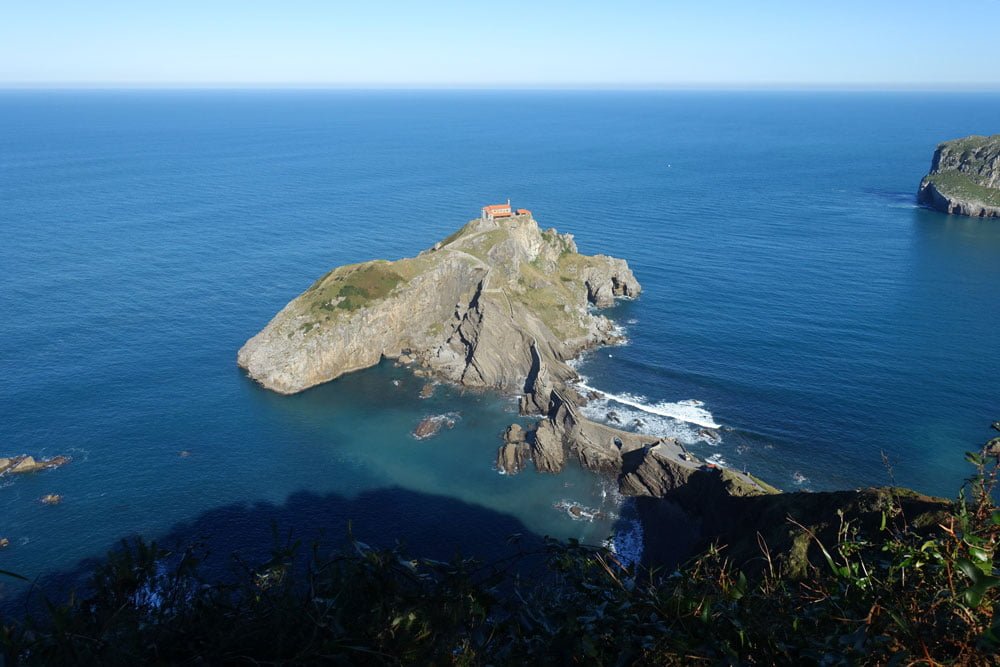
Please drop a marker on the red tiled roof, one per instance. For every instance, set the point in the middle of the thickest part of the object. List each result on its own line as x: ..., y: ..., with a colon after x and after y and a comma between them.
x: 497, y: 207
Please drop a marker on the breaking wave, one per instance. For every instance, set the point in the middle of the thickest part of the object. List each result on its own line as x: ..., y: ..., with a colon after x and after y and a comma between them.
x: 690, y: 411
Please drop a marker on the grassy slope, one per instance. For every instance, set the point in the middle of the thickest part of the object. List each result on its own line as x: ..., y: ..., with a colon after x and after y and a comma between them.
x: 959, y: 186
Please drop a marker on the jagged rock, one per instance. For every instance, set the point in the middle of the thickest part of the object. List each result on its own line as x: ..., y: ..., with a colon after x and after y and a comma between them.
x: 51, y: 499
x: 964, y: 178
x: 608, y: 280
x: 26, y: 464
x: 512, y: 457
x: 613, y: 417
x: 537, y: 387
x: 498, y: 298
x: 427, y: 390
x: 654, y: 471
x: 429, y: 426
x: 514, y: 434
x: 547, y: 449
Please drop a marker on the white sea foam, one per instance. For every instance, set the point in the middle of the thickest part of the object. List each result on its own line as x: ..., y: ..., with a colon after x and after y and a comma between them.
x: 580, y: 512
x: 447, y: 420
x: 716, y: 459
x: 630, y: 419
x: 690, y: 411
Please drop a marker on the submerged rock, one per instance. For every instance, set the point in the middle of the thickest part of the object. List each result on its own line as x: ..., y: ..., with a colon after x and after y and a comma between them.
x: 4, y: 542
x: 51, y: 499
x: 430, y: 426
x: 964, y: 178
x: 427, y: 427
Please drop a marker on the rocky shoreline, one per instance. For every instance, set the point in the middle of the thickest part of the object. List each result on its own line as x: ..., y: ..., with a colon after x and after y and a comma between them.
x: 505, y: 306
x: 964, y: 178
x: 502, y: 305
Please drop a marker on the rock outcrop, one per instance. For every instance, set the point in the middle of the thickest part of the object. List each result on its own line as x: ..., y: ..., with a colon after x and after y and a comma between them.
x: 22, y: 464
x: 429, y: 426
x: 500, y: 304
x: 514, y: 453
x: 495, y: 305
x: 964, y: 178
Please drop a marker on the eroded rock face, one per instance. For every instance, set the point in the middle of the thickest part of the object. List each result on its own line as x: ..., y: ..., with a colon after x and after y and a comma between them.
x: 964, y: 178
x: 512, y: 457
x: 653, y: 471
x: 488, y: 307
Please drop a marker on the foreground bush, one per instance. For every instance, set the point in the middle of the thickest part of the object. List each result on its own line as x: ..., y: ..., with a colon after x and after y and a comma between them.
x: 893, y: 595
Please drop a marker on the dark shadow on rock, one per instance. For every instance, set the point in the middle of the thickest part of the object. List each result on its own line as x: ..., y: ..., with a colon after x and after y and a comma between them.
x: 428, y: 526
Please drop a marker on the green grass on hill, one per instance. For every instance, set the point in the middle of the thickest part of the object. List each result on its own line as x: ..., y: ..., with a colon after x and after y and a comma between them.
x: 352, y: 287
x: 959, y: 186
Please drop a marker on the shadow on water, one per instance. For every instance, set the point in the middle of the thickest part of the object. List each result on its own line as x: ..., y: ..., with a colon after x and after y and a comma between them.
x: 424, y: 525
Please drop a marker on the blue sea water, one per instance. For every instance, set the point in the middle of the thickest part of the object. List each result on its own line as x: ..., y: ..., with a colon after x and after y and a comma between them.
x: 791, y: 285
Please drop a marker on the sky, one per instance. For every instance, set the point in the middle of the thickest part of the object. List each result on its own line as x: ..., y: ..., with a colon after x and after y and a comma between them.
x: 451, y: 43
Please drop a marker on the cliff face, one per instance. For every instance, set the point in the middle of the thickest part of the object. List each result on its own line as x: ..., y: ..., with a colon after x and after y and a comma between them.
x: 964, y: 177
x: 485, y: 307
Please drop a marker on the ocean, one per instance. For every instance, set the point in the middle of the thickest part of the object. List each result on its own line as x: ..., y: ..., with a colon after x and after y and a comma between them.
x: 794, y: 297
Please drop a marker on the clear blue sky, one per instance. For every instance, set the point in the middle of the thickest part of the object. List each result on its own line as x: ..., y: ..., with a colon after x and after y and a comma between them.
x: 629, y: 43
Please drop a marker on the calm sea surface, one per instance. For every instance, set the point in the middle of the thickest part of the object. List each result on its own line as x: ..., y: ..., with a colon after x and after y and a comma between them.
x: 791, y: 286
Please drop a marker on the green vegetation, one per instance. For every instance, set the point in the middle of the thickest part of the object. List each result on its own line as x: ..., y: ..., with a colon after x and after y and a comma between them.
x: 351, y: 287
x: 958, y: 185
x: 893, y: 594
x: 972, y: 142
x: 547, y: 299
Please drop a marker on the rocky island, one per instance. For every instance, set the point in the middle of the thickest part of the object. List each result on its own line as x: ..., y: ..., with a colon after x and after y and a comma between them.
x: 964, y: 177
x: 500, y: 304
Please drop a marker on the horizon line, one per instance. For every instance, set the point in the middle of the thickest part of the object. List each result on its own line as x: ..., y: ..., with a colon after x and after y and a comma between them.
x: 541, y: 87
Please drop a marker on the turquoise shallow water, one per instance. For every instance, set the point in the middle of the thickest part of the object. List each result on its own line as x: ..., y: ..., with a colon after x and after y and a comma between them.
x: 790, y: 285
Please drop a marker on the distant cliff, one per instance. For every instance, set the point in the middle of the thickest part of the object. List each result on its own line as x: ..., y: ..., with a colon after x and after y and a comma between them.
x: 964, y: 177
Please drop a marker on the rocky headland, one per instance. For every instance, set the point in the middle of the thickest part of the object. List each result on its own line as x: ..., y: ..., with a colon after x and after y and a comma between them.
x: 503, y: 305
x: 500, y: 304
x: 964, y: 177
